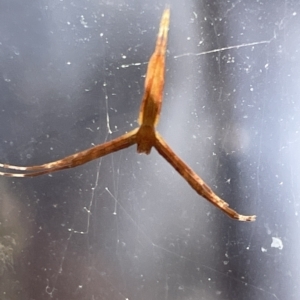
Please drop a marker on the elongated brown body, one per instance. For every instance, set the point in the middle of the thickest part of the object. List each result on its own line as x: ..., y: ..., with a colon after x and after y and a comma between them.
x: 154, y: 86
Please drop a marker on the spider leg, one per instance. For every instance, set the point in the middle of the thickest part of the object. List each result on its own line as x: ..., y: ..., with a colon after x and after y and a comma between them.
x: 195, y: 181
x: 74, y: 160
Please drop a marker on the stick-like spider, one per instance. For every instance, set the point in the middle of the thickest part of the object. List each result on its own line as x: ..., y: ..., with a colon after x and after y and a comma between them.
x: 145, y: 136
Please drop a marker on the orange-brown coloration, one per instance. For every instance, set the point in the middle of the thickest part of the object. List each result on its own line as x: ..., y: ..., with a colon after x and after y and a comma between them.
x: 154, y: 86
x: 144, y: 136
x: 155, y: 77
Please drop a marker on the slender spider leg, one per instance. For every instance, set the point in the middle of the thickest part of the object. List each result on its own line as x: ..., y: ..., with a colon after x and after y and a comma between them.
x: 144, y: 136
x: 77, y: 159
x: 194, y: 180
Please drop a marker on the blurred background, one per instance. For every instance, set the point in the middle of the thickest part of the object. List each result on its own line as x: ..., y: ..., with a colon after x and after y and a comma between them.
x: 127, y: 226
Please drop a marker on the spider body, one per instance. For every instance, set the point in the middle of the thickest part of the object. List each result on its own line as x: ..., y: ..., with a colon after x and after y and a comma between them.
x: 145, y: 136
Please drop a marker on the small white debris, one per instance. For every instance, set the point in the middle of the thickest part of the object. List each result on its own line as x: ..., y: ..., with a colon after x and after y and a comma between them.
x: 277, y: 243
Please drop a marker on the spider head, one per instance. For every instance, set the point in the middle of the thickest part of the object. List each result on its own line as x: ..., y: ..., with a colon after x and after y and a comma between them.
x: 145, y: 139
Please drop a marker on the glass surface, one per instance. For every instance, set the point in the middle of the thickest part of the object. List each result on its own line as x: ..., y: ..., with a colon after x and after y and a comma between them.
x: 127, y: 226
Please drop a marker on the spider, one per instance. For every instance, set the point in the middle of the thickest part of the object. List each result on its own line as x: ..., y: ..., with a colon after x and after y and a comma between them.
x: 145, y: 136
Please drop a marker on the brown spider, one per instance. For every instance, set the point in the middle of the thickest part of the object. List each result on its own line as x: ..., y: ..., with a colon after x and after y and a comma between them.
x: 145, y: 136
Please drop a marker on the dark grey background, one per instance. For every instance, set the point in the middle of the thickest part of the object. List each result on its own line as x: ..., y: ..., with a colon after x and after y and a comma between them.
x: 127, y: 226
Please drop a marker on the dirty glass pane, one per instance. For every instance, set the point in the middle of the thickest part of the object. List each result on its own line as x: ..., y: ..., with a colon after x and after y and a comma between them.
x: 127, y: 226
